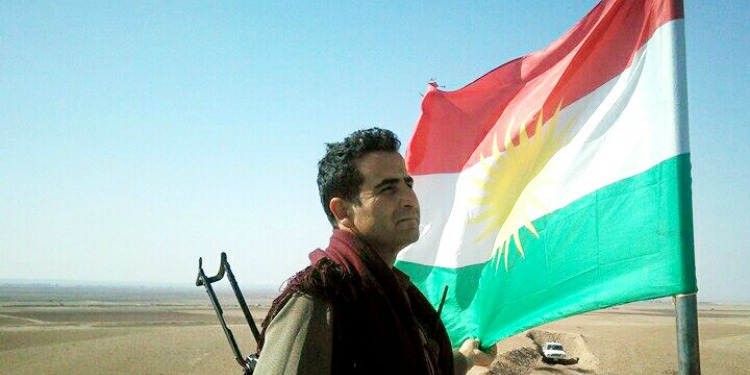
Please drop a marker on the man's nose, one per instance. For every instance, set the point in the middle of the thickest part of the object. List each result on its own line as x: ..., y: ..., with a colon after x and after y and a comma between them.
x: 409, y: 197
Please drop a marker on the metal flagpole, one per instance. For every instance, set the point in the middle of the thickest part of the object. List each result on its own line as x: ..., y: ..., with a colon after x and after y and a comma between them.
x: 688, y: 353
x: 686, y: 306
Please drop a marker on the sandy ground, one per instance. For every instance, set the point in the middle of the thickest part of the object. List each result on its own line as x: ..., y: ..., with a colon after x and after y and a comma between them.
x: 638, y: 338
x: 127, y: 338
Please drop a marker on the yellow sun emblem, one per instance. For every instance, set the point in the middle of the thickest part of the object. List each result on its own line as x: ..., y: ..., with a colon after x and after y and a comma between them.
x: 507, y: 175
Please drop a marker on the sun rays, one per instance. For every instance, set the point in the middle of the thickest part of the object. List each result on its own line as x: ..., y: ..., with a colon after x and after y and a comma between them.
x: 505, y: 197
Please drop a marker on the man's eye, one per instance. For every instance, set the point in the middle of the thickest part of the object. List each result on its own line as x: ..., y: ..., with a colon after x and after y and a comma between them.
x: 390, y: 189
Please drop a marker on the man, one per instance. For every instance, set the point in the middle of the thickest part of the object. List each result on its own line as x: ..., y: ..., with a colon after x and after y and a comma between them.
x: 351, y: 311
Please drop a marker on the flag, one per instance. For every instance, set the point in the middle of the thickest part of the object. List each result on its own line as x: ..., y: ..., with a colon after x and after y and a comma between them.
x: 559, y: 182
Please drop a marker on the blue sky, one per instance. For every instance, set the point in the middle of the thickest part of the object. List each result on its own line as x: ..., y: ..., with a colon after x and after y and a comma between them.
x: 137, y: 136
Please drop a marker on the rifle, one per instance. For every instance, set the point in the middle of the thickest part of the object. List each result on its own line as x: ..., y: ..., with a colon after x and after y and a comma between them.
x: 247, y: 363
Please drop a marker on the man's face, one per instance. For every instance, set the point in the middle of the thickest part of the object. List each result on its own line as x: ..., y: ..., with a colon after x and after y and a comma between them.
x: 387, y: 216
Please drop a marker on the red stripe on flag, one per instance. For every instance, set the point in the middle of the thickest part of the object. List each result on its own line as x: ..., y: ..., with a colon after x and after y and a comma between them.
x: 455, y: 124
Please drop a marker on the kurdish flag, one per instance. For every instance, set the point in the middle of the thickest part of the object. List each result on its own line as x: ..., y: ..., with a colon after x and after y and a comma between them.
x: 559, y: 182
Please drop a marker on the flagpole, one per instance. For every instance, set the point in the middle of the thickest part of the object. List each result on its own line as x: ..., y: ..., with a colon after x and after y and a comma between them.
x: 686, y: 306
x: 688, y: 352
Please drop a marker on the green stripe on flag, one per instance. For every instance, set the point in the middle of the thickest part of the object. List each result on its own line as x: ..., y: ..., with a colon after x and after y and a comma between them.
x: 629, y: 241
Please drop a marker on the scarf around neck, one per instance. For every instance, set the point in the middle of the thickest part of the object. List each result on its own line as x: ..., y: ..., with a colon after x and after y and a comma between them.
x: 403, y: 324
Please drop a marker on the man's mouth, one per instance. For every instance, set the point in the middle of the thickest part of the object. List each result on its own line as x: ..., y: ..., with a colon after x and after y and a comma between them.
x: 406, y: 219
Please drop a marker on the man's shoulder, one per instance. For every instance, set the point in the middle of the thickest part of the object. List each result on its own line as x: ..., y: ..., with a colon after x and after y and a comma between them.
x: 299, y: 338
x: 323, y: 283
x: 326, y: 280
x: 302, y: 307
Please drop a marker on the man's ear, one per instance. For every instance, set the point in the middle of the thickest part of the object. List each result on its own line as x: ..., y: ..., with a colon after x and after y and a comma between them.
x: 340, y: 210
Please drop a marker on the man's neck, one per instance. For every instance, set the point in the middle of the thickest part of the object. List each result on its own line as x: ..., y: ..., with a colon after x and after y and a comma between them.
x: 387, y: 255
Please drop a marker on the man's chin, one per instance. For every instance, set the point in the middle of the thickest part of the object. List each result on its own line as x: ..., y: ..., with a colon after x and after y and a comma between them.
x: 411, y: 237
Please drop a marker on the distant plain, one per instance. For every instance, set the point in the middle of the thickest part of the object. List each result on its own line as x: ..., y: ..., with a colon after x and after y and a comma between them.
x: 59, y: 329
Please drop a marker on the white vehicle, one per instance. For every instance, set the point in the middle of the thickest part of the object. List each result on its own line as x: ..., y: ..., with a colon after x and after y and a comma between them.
x: 553, y: 351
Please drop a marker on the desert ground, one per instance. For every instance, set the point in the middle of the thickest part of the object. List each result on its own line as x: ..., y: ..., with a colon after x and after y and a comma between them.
x: 58, y: 330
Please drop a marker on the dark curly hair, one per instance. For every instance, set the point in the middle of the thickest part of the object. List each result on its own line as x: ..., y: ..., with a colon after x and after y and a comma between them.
x: 338, y: 175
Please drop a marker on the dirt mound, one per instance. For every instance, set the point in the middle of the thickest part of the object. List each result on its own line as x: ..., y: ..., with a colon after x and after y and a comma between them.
x: 528, y: 359
x: 515, y: 362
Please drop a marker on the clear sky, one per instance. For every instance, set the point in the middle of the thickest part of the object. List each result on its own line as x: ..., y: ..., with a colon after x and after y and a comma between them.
x: 137, y: 136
